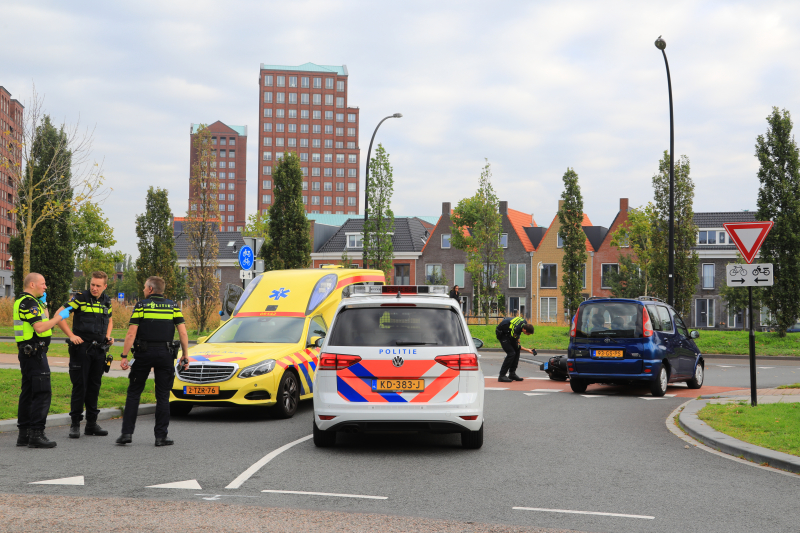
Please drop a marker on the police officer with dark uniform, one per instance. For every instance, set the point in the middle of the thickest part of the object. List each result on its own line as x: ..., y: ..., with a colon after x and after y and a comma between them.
x: 152, y: 328
x: 32, y: 331
x: 508, y: 333
x: 91, y: 331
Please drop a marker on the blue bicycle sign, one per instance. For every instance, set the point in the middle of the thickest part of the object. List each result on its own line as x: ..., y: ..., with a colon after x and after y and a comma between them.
x: 246, y: 257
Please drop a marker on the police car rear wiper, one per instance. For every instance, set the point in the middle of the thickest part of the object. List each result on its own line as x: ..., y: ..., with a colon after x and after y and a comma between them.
x: 414, y: 343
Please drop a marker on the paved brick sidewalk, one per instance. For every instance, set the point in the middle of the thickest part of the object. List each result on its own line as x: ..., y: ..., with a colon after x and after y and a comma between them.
x: 763, y: 396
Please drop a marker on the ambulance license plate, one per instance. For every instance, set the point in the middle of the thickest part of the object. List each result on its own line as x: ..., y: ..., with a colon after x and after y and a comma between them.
x: 608, y: 354
x: 200, y: 391
x: 391, y: 385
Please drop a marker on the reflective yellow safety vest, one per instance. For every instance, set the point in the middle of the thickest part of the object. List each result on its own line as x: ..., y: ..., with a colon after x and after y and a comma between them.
x: 23, y: 330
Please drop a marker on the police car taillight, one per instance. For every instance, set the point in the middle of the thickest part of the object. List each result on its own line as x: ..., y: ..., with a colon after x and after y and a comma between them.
x: 336, y: 361
x: 647, y: 326
x: 464, y: 361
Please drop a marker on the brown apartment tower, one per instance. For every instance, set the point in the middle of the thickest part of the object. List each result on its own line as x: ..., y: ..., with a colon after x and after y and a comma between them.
x: 231, y: 148
x: 10, y: 155
x: 304, y: 110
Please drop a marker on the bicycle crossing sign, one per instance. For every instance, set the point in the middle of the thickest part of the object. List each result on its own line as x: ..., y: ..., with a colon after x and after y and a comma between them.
x: 759, y: 275
x: 748, y: 237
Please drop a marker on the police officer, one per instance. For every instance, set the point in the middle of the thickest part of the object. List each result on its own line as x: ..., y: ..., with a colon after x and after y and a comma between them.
x: 151, y: 330
x: 508, y: 333
x: 32, y: 331
x: 91, y: 330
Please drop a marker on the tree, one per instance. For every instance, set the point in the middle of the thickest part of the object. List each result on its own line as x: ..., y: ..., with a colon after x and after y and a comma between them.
x: 257, y: 226
x: 289, y: 244
x: 346, y: 261
x: 128, y: 285
x: 476, y: 225
x: 378, y: 228
x: 779, y: 201
x: 686, y: 260
x: 94, y: 238
x: 157, y: 256
x: 200, y: 230
x: 570, y: 215
x: 53, y: 175
x: 635, y: 271
x: 48, y: 167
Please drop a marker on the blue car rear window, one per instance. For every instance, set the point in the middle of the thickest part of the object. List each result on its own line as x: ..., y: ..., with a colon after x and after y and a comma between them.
x: 609, y: 319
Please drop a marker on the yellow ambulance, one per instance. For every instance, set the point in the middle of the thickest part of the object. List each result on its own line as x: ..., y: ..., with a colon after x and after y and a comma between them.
x: 266, y: 353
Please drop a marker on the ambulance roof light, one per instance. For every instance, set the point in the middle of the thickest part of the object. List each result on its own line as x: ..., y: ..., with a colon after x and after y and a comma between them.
x: 404, y: 290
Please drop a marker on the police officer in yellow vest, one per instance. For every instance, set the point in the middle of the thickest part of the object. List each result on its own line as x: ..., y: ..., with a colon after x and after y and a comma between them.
x: 91, y: 332
x: 32, y: 331
x: 508, y: 333
x: 152, y: 328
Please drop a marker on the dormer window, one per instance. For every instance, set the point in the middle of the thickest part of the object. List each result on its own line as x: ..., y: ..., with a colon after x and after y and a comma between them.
x: 707, y: 237
x: 355, y: 240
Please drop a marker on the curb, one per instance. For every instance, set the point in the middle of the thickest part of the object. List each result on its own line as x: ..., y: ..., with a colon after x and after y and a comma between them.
x: 725, y: 443
x: 64, y: 419
x: 63, y: 340
x: 705, y: 355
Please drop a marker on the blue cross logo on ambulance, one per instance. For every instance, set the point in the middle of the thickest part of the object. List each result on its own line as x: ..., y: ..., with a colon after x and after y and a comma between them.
x: 275, y: 355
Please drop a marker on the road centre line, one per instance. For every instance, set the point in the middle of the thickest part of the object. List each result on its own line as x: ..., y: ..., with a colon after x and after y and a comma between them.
x: 567, y: 511
x: 304, y: 493
x: 244, y: 476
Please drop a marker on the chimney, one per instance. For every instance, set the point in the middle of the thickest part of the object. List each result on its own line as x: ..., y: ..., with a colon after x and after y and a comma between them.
x: 623, y: 205
x: 446, y: 208
x: 504, y: 208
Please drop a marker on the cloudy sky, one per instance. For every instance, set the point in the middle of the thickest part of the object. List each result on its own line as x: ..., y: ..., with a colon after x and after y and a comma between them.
x: 535, y: 87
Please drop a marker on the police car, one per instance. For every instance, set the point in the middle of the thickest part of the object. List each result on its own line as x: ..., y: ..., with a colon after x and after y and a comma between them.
x: 399, y: 358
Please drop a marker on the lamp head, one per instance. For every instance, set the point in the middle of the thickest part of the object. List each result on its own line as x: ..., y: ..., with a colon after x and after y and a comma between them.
x: 398, y: 115
x: 660, y: 43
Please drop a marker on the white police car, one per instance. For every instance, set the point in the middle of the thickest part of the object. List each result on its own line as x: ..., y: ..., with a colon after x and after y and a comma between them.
x: 399, y: 358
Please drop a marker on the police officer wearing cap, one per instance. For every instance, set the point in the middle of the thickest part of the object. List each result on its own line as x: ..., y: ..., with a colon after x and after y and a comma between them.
x: 152, y: 328
x: 91, y: 331
x: 508, y: 333
x: 32, y: 331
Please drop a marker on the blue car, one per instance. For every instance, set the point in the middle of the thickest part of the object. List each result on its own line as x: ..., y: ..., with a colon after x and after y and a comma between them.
x: 621, y: 340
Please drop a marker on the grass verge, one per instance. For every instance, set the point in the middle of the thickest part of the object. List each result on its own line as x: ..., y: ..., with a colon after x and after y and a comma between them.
x: 775, y: 426
x: 792, y: 386
x: 118, y: 334
x: 112, y: 392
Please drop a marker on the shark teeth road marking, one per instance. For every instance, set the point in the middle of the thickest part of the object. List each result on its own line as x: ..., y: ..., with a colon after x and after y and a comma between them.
x: 592, y: 395
x: 495, y: 388
x: 535, y: 393
x: 77, y: 480
x: 546, y: 390
x: 650, y: 398
x: 188, y: 484
x: 567, y: 511
x: 304, y: 493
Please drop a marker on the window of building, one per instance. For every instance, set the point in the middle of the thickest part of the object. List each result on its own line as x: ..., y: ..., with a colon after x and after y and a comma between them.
x: 516, y: 305
x: 402, y: 274
x: 222, y: 153
x: 328, y: 158
x: 340, y: 187
x: 278, y: 142
x: 339, y: 145
x: 291, y: 142
x: 304, y: 142
x: 280, y: 113
x: 339, y: 117
x: 708, y: 276
x: 339, y: 172
x: 328, y: 186
x: 279, y: 155
x: 548, y: 311
x: 267, y: 171
x: 304, y: 82
x: 268, y: 97
x: 305, y: 185
x: 340, y: 102
x: 292, y: 128
x: 305, y: 200
x: 305, y: 170
x: 735, y: 318
x: 516, y: 276
x: 458, y: 274
x: 268, y: 126
x: 549, y: 276
x: 267, y: 141
x: 707, y: 237
x: 318, y: 83
x: 292, y: 81
x: 340, y: 158
x: 351, y: 132
x: 328, y: 99
x: 355, y: 240
x: 328, y: 115
x: 327, y: 200
x: 352, y: 173
x: 303, y: 156
x: 281, y: 81
x: 317, y: 115
x: 231, y: 164
x: 445, y: 241
x: 433, y: 272
x: 559, y: 241
x: 328, y: 143
x: 267, y: 184
x: 721, y: 237
x: 340, y: 86
x: 351, y: 145
x: 292, y: 99
x: 279, y: 128
x: 351, y: 117
x: 605, y: 270
x: 230, y: 219
x: 280, y: 98
x: 317, y: 100
x: 231, y: 198
x: 266, y: 198
x: 304, y: 101
x: 351, y: 201
x: 504, y: 240
x: 351, y: 187
x: 315, y: 200
x: 340, y: 200
x: 268, y: 80
x: 315, y: 186
x: 315, y: 158
x: 315, y: 171
x: 222, y: 198
x: 268, y: 113
x: 328, y: 172
x: 704, y: 309
x: 351, y: 158
x: 317, y: 129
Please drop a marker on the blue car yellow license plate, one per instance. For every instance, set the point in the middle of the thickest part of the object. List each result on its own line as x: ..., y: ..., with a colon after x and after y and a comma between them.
x: 608, y: 354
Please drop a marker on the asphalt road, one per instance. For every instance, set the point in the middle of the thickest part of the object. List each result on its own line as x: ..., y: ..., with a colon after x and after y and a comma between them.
x: 598, y: 453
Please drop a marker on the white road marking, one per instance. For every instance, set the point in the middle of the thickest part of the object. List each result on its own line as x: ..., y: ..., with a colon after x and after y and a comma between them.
x: 765, y: 367
x: 495, y: 388
x: 217, y: 497
x: 301, y: 492
x: 534, y: 394
x: 583, y: 512
x: 725, y: 366
x: 244, y: 476
x: 669, y: 395
x: 77, y: 480
x: 592, y: 395
x: 649, y: 398
x: 188, y: 484
x: 545, y: 390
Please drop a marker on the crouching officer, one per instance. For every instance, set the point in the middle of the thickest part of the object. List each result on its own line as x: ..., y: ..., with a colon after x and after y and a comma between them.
x: 150, y: 333
x: 508, y: 333
x: 88, y: 342
x: 32, y: 331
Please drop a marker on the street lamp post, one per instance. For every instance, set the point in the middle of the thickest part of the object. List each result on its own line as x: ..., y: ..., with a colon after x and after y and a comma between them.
x: 661, y: 44
x: 366, y: 174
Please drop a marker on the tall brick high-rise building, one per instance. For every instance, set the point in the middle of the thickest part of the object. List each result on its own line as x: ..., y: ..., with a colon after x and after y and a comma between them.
x: 11, y: 116
x: 231, y: 147
x: 304, y: 109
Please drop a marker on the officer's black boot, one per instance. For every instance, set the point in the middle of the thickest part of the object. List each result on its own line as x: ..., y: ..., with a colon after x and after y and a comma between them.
x: 125, y: 438
x: 504, y: 379
x: 514, y: 376
x: 164, y: 441
x: 37, y: 439
x: 75, y: 430
x: 93, y: 429
x: 22, y: 438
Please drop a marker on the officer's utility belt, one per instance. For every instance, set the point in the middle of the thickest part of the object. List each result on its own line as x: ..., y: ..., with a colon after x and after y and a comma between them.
x: 34, y: 348
x: 140, y: 346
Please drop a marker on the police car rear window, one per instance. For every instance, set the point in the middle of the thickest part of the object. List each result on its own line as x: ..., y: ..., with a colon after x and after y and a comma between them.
x: 609, y: 319
x: 407, y: 326
x: 273, y: 329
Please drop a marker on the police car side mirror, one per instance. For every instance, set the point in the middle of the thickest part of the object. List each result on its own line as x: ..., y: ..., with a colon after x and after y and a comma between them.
x: 478, y: 343
x: 315, y: 342
x: 694, y: 334
x: 201, y: 340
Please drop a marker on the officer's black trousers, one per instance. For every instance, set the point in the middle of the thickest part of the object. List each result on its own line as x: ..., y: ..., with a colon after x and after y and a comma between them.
x: 511, y: 347
x: 161, y: 361
x: 34, y: 398
x: 86, y: 366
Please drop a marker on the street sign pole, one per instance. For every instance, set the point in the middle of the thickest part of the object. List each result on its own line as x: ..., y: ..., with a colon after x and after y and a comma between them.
x: 753, y: 392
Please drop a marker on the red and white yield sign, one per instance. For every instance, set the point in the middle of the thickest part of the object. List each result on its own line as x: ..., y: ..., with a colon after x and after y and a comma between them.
x: 748, y: 237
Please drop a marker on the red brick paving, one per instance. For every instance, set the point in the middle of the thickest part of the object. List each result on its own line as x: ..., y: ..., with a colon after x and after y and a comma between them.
x: 680, y: 391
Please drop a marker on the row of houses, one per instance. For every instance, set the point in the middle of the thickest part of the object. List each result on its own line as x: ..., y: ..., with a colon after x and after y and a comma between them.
x: 533, y: 256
